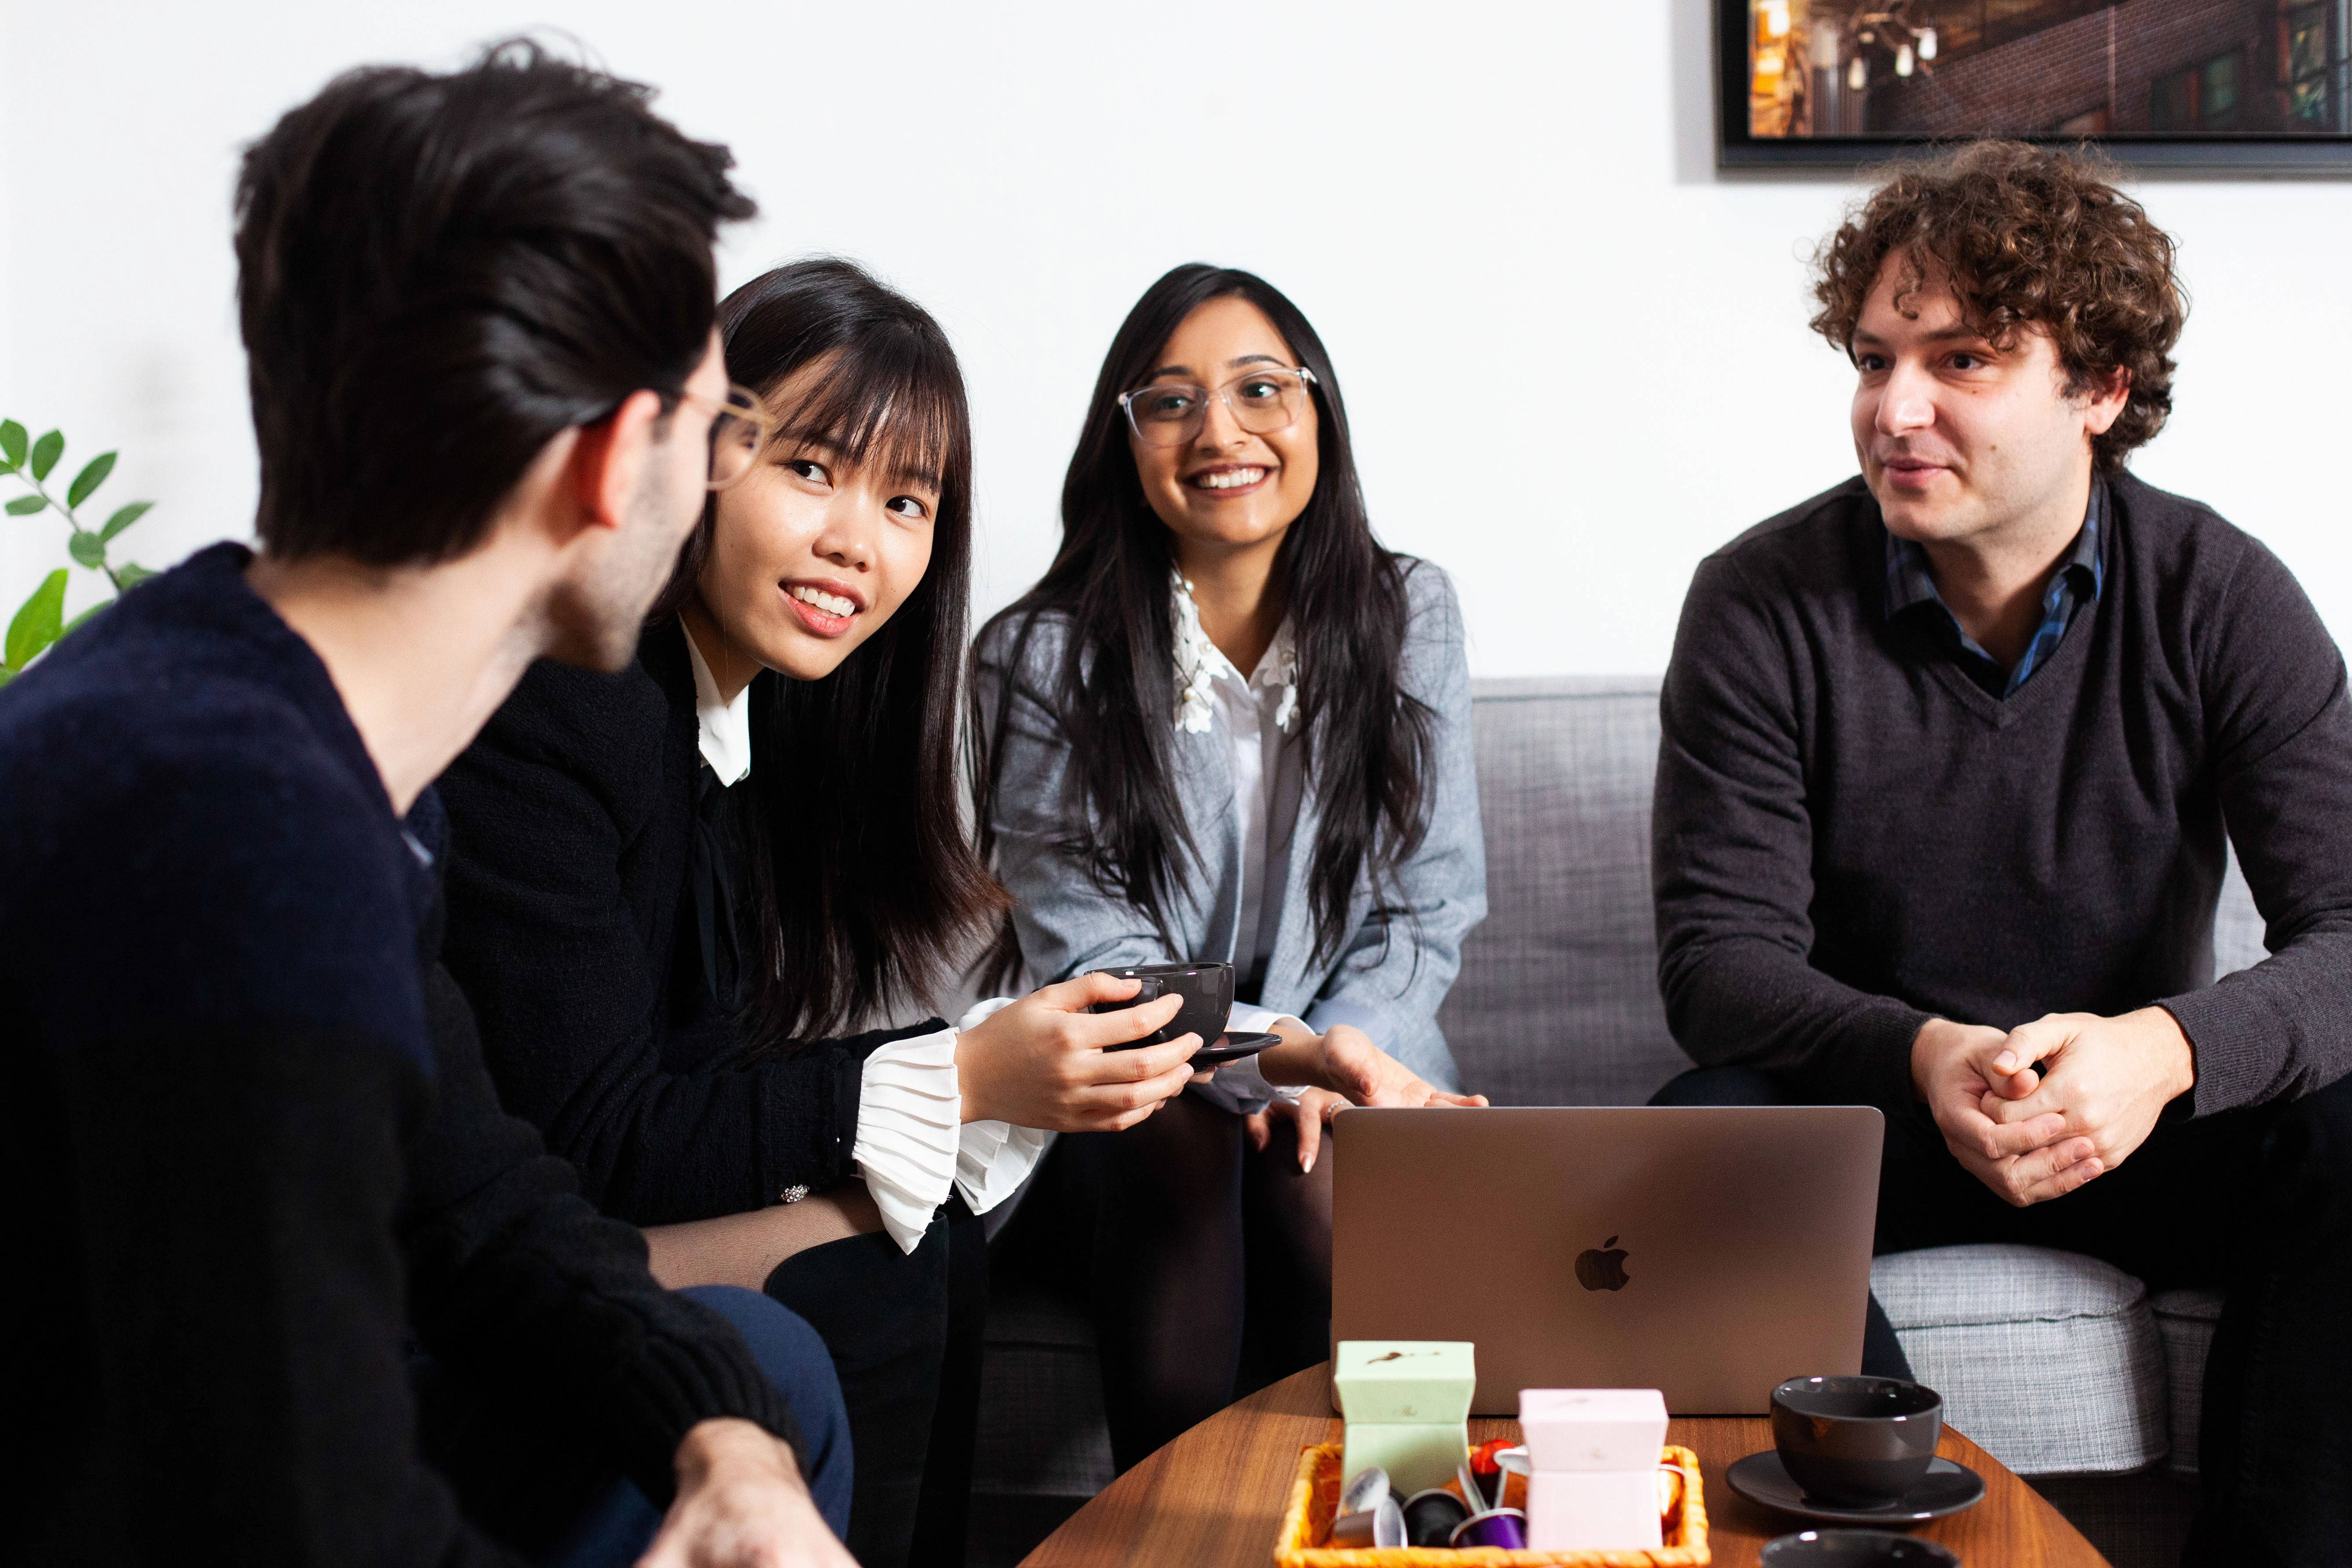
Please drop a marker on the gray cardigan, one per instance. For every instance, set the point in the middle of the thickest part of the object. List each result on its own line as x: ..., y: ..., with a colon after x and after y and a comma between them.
x: 1393, y: 966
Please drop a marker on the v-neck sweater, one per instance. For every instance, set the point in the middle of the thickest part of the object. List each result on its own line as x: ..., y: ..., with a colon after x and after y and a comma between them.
x: 1850, y: 835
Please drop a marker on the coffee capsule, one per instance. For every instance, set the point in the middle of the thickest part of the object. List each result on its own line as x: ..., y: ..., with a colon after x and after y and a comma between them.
x: 1430, y: 1517
x: 1502, y: 1527
x: 1380, y: 1525
x: 1513, y: 1469
x: 1364, y: 1490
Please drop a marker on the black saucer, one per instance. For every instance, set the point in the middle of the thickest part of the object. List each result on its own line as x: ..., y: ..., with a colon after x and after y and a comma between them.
x: 1946, y: 1487
x: 1234, y: 1047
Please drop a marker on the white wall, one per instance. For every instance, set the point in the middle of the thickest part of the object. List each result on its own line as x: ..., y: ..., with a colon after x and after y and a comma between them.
x: 1576, y: 357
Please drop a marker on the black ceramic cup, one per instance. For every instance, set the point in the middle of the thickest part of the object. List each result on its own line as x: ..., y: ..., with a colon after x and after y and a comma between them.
x: 1859, y: 1441
x: 1856, y: 1549
x: 1207, y: 990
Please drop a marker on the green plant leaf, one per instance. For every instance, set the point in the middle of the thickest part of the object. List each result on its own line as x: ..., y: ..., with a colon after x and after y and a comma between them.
x: 12, y: 442
x: 38, y: 622
x: 93, y: 474
x: 45, y: 453
x: 87, y: 549
x: 130, y: 574
x: 125, y: 518
x: 81, y: 618
x: 26, y: 506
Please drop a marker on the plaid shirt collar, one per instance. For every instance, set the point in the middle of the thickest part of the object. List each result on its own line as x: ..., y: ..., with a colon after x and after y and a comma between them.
x: 2080, y: 575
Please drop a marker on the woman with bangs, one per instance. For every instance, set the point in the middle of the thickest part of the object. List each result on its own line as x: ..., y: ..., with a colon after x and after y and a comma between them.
x: 673, y: 891
x: 1228, y: 725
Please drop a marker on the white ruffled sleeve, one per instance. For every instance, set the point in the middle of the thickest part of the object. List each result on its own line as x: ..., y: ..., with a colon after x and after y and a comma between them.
x: 913, y: 1144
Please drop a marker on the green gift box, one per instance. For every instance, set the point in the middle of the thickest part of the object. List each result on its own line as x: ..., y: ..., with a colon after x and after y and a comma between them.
x: 1407, y: 1406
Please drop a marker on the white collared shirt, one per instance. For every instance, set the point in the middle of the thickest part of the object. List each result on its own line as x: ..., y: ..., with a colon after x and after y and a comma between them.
x: 1259, y: 717
x: 913, y: 1144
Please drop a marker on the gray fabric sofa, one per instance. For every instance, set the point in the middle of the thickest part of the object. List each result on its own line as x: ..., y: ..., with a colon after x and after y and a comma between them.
x: 2064, y: 1368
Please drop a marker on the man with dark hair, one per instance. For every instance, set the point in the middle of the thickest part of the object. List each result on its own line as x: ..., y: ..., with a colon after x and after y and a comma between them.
x: 1948, y: 757
x: 289, y: 1286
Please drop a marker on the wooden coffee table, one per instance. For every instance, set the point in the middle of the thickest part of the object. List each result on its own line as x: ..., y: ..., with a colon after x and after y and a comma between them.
x: 1215, y: 1495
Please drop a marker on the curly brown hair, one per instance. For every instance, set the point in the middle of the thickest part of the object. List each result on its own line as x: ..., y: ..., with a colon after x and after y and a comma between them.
x: 2031, y: 238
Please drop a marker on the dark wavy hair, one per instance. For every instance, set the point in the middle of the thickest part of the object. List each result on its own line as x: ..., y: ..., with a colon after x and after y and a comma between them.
x: 2031, y: 237
x: 436, y: 274
x: 865, y: 886
x: 1369, y: 744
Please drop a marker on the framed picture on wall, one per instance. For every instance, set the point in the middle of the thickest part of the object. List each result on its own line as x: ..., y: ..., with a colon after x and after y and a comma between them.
x: 2235, y: 86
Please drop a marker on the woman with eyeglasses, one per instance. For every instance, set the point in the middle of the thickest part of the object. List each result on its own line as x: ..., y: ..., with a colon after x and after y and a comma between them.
x: 1228, y: 725
x: 673, y: 891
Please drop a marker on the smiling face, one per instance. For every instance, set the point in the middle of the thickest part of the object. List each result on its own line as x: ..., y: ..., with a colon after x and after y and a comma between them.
x: 1227, y: 488
x: 1962, y: 439
x: 811, y: 553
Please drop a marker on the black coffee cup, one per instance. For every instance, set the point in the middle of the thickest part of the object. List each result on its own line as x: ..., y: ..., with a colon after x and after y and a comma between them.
x: 1207, y: 990
x: 1860, y: 1441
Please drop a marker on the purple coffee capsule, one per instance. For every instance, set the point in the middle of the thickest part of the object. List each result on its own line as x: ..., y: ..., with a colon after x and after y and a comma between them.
x: 1504, y: 1527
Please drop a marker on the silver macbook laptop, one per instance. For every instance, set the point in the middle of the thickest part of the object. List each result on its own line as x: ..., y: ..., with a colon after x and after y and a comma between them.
x: 1708, y: 1252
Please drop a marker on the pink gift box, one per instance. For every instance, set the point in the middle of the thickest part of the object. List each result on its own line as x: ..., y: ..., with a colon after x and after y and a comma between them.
x: 1594, y: 1510
x: 1609, y: 1430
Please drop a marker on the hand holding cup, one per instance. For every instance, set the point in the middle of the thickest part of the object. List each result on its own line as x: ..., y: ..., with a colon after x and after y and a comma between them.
x: 1048, y: 1062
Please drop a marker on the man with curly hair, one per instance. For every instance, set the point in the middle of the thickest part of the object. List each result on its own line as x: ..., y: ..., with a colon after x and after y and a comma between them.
x: 1949, y: 756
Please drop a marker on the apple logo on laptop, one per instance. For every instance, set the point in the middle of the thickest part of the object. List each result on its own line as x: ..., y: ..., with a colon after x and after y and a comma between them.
x: 1601, y: 1270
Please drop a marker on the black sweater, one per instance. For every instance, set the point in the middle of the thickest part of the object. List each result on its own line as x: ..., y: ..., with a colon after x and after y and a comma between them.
x: 573, y: 931
x: 1850, y: 835
x: 249, y: 1146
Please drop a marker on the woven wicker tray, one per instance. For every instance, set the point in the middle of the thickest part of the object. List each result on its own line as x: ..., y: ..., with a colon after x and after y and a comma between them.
x: 1315, y: 1497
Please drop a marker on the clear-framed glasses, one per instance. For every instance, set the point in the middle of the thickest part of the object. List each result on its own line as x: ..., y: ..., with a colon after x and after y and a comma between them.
x: 1170, y: 413
x: 740, y: 429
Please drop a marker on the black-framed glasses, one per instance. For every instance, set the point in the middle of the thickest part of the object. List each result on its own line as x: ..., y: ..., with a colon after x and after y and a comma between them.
x: 1171, y: 413
x: 740, y: 429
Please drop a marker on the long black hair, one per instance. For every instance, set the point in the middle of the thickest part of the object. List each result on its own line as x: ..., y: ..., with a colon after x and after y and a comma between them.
x: 1368, y: 743
x: 865, y: 886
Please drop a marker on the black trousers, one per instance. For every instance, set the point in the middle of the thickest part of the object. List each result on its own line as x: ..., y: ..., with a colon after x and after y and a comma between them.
x: 2256, y: 1202
x: 905, y: 1331
x: 1207, y: 1263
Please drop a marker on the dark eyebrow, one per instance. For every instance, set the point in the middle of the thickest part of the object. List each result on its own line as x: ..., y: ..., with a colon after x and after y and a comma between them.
x: 1961, y: 333
x: 1229, y: 364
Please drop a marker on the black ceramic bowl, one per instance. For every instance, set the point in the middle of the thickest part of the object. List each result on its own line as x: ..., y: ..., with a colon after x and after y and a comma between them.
x: 1207, y: 989
x: 1861, y: 1441
x: 1855, y: 1549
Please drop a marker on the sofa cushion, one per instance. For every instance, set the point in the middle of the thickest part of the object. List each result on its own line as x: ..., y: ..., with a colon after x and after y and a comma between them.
x: 2049, y: 1360
x: 1557, y: 999
x: 2184, y: 1320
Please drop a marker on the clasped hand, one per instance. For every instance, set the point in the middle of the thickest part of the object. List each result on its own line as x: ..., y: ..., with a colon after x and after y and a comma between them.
x: 2036, y: 1112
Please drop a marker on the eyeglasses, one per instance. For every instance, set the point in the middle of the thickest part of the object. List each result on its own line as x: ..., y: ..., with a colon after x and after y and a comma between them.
x: 740, y: 429
x: 1170, y: 413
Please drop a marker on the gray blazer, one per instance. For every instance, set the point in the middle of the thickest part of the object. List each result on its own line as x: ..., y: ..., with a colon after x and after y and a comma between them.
x: 1393, y: 966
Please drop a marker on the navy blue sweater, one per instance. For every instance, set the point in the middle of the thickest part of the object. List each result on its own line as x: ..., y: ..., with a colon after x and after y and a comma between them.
x: 248, y: 1142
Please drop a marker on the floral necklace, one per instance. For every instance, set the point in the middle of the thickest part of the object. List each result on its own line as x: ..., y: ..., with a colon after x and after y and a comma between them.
x: 1198, y: 661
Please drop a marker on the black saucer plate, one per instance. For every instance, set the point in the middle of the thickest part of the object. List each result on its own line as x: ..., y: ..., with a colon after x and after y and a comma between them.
x: 1946, y: 1487
x: 1232, y: 1048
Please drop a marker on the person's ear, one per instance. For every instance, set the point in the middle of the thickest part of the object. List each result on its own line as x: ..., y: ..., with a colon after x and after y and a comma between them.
x: 2105, y: 400
x: 608, y: 460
